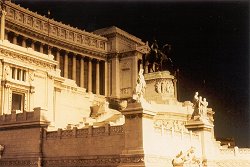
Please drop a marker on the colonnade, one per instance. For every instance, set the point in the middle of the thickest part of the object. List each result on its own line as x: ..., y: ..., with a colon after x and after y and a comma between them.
x: 88, y: 72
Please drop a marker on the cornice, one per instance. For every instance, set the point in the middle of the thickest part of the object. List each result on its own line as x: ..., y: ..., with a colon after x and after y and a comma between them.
x: 52, y: 21
x: 113, y: 31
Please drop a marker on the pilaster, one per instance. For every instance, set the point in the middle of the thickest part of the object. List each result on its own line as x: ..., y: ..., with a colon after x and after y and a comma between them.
x: 3, y: 14
x: 115, y: 77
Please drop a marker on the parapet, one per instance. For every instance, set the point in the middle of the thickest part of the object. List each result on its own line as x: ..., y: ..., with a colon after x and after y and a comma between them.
x: 24, y: 119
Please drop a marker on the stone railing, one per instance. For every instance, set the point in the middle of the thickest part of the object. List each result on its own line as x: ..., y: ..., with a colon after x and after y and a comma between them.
x: 85, y: 132
x: 24, y: 118
x: 24, y: 18
x: 237, y: 152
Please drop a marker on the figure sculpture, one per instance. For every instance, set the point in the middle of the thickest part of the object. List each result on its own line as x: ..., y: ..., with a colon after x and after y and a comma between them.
x: 200, y: 108
x: 187, y: 158
x: 140, y: 87
x: 157, y: 57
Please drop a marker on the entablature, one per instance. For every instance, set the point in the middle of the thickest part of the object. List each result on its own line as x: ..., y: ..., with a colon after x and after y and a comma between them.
x: 32, y: 25
x: 26, y: 56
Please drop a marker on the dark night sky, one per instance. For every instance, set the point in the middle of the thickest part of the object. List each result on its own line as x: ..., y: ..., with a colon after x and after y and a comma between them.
x: 210, y: 43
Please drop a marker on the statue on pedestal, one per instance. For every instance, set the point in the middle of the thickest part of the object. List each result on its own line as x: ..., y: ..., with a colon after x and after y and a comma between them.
x: 157, y: 56
x: 200, y: 108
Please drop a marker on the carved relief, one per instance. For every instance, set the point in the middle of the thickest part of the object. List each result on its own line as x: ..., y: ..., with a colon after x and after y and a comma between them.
x: 187, y: 158
x: 71, y: 36
x: 29, y: 21
x: 175, y: 125
x: 19, y: 17
x: 78, y: 38
x: 102, y: 45
x: 37, y: 24
x: 164, y: 86
x: 63, y: 33
x: 7, y: 72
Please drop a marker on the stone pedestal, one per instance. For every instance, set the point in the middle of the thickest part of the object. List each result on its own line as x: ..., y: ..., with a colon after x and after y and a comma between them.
x: 161, y: 87
x: 136, y: 122
x: 205, y: 129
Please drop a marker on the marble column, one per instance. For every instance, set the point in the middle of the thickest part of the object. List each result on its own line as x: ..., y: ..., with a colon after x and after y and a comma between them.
x: 58, y: 58
x: 90, y: 75
x: 32, y: 44
x: 82, y: 72
x: 106, y: 78
x: 24, y: 42
x: 97, y: 77
x: 41, y: 47
x: 74, y: 67
x: 3, y: 14
x: 66, y: 64
x: 15, y: 39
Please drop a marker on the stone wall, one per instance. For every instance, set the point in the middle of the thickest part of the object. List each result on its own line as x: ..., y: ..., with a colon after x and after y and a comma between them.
x: 108, y: 140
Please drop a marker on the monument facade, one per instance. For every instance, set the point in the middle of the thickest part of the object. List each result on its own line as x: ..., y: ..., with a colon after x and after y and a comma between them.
x: 76, y: 98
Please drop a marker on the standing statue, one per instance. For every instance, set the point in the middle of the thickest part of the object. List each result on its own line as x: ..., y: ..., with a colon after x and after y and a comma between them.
x: 200, y: 108
x: 140, y: 87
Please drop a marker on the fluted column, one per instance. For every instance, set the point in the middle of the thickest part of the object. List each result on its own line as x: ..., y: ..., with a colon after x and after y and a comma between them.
x: 106, y: 78
x: 58, y: 58
x: 41, y: 47
x: 66, y: 64
x: 82, y: 72
x: 97, y: 77
x: 15, y: 39
x: 3, y: 13
x: 24, y: 42
x: 74, y: 67
x: 90, y: 75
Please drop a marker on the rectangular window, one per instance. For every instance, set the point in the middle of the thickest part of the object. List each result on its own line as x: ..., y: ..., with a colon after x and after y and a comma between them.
x: 17, y: 102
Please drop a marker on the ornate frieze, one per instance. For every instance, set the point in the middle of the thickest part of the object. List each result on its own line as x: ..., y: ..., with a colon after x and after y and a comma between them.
x: 11, y: 162
x: 164, y: 86
x: 100, y: 160
x: 167, y: 124
x: 27, y: 59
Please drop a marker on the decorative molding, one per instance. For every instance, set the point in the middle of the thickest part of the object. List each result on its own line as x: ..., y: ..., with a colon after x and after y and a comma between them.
x: 100, y: 160
x: 13, y: 163
x: 27, y: 59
